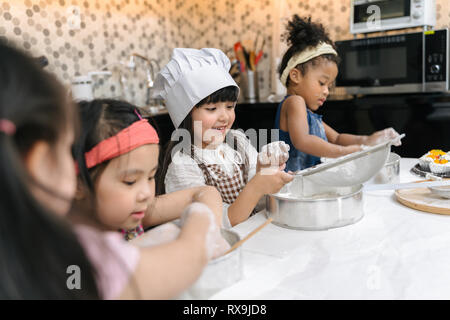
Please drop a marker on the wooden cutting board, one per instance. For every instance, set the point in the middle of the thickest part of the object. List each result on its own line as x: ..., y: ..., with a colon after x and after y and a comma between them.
x: 422, y: 199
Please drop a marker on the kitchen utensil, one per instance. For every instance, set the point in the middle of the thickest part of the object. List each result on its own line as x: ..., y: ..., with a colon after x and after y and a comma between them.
x: 248, y: 45
x: 239, y: 51
x: 249, y: 86
x: 424, y: 200
x: 246, y: 56
x: 413, y: 185
x: 338, y: 208
x: 258, y: 57
x: 252, y: 58
x: 218, y: 273
x: 251, y: 234
x: 442, y: 191
x: 82, y: 88
x: 349, y: 170
x: 432, y: 176
x: 260, y: 52
x: 234, y: 70
x: 82, y: 85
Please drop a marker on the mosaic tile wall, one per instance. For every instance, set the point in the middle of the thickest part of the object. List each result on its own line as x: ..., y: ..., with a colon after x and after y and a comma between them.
x: 109, y: 31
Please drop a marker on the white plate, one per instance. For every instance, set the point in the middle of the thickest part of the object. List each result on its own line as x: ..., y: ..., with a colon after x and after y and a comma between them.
x: 441, y: 191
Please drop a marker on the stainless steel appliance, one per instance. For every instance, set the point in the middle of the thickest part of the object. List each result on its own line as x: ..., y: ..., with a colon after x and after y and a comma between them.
x: 403, y: 63
x: 379, y: 15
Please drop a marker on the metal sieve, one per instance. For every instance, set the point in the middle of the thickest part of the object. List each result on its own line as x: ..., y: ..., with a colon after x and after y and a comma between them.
x: 347, y: 171
x: 352, y: 169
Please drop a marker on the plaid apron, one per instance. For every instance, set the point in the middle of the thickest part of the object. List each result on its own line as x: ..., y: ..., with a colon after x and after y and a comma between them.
x: 229, y: 187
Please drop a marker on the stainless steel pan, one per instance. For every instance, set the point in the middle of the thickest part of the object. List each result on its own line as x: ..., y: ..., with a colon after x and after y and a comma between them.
x: 338, y: 208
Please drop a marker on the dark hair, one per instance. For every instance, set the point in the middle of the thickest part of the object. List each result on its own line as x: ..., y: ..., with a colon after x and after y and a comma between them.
x: 229, y: 93
x: 36, y: 246
x: 100, y: 120
x: 302, y: 33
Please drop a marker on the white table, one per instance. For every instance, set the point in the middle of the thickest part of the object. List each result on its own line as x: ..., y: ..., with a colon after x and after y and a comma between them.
x: 394, y: 252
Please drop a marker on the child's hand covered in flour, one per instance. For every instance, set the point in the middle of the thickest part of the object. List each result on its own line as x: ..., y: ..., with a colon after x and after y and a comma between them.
x: 382, y: 136
x: 274, y: 154
x: 215, y: 244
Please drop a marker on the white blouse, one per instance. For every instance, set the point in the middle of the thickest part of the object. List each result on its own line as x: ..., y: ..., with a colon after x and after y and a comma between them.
x: 183, y: 172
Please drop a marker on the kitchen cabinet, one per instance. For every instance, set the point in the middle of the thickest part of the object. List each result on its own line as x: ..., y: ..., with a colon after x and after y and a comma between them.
x: 425, y: 119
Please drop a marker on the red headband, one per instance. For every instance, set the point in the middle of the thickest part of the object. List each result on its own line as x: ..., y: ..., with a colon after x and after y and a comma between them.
x: 138, y: 134
x: 7, y: 127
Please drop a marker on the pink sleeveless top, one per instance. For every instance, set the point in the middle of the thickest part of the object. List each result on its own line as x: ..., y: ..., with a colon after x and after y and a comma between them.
x: 114, y: 260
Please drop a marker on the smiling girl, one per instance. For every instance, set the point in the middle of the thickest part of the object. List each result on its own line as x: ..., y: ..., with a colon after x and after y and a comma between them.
x: 308, y: 71
x: 201, y: 98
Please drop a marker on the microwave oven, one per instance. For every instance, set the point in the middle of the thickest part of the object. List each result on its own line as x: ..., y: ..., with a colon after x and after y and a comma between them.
x: 402, y: 63
x: 380, y: 15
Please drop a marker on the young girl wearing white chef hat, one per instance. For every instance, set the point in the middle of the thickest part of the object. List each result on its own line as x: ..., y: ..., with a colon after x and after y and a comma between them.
x: 201, y: 97
x: 308, y: 70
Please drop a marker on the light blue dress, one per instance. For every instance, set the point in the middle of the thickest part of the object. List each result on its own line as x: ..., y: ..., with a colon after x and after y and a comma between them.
x: 299, y: 160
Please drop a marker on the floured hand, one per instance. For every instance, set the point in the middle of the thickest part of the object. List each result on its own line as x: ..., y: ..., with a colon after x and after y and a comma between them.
x: 274, y: 154
x: 215, y: 244
x: 382, y: 136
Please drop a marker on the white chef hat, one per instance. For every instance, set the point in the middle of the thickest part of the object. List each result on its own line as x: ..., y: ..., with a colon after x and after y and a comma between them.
x: 190, y: 76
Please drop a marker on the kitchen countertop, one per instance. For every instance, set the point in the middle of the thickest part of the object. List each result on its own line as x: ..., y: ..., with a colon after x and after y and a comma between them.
x: 393, y: 252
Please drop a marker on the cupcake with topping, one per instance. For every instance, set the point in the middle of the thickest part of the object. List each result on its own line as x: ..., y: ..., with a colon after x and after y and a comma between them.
x: 430, y: 157
x: 441, y: 165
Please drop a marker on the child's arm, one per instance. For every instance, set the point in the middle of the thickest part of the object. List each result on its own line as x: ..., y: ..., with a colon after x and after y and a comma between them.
x: 269, y: 180
x: 169, y: 206
x: 345, y: 139
x: 299, y: 132
x: 263, y: 178
x: 166, y: 270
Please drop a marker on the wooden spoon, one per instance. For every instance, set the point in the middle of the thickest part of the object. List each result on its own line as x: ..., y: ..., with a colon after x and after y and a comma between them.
x: 251, y: 234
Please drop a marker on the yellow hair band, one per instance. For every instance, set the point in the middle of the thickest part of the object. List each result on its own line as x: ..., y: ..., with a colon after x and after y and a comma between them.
x: 306, y: 55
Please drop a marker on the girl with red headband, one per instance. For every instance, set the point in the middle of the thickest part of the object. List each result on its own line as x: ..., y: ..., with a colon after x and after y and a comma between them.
x: 117, y: 158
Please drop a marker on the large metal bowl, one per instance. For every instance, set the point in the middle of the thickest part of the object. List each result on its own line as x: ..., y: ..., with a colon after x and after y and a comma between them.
x: 219, y: 273
x: 325, y: 211
x: 390, y: 173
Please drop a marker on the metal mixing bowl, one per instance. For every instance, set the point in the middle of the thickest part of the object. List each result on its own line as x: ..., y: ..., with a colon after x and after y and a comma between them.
x: 335, y: 209
x: 390, y: 173
x: 219, y: 273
